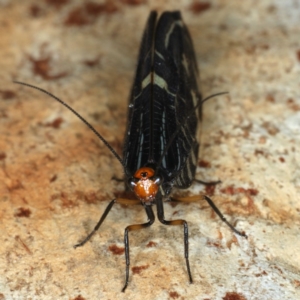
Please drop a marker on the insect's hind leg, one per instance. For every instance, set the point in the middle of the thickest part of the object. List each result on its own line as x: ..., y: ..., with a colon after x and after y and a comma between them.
x: 161, y: 217
x: 151, y: 217
x: 214, y: 207
x: 217, y: 211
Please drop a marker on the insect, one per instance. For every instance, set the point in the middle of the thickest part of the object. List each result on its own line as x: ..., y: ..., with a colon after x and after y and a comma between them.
x: 161, y: 149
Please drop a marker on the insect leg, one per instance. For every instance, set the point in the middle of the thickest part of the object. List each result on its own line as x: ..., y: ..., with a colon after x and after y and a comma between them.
x: 104, y: 215
x: 161, y: 217
x: 209, y: 182
x: 107, y: 210
x: 216, y: 210
x: 214, y: 207
x: 151, y: 218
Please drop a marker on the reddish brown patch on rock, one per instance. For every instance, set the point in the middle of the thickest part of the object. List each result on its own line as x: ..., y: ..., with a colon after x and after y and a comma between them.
x: 116, y: 250
x: 151, y: 244
x: 233, y: 296
x: 263, y: 273
x: 23, y: 212
x: 90, y: 197
x: 232, y: 241
x: 2, y: 155
x: 271, y: 129
x: 95, y: 9
x: 271, y: 9
x: 7, y: 94
x: 210, y: 189
x: 35, y: 11
x: 259, y: 152
x: 297, y: 283
x: 175, y: 213
x: 292, y: 105
x: 270, y: 98
x: 223, y: 27
x: 265, y: 47
x: 133, y: 2
x: 42, y: 68
x: 198, y: 7
x: 204, y: 164
x: 57, y: 3
x: 262, y: 139
x: 79, y: 297
x: 139, y: 269
x: 55, y: 123
x: 220, y: 235
x: 277, y: 268
x: 174, y: 295
x: 77, y: 17
x: 214, y: 244
x: 3, y: 114
x: 231, y: 190
x: 251, y: 192
x: 53, y: 178
x: 250, y: 204
x: 298, y: 55
x: 92, y: 62
x: 65, y: 200
x: 88, y: 13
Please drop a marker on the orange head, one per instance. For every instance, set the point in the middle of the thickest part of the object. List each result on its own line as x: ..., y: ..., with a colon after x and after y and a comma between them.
x: 144, y: 185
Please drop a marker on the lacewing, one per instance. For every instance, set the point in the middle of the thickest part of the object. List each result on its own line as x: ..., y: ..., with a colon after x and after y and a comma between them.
x: 161, y: 148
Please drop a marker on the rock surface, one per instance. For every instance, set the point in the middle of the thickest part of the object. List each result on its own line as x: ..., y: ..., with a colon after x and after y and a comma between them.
x: 56, y: 176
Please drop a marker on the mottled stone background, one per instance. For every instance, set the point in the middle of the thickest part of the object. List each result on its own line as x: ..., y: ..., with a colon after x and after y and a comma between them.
x: 56, y: 176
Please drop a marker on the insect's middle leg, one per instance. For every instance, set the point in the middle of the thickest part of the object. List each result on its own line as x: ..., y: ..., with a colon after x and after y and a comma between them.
x: 208, y: 182
x: 151, y: 219
x: 161, y: 217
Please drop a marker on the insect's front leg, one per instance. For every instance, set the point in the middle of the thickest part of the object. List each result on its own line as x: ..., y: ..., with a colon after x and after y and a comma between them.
x: 161, y: 217
x: 104, y: 215
x: 151, y: 219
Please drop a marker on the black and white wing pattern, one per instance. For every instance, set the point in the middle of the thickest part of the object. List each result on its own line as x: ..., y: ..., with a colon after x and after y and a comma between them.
x: 162, y: 102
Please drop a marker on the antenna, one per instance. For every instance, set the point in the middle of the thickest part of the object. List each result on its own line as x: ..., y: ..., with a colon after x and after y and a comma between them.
x: 79, y: 116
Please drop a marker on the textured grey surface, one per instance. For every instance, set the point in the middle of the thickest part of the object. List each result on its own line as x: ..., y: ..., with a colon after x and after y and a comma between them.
x: 55, y: 176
